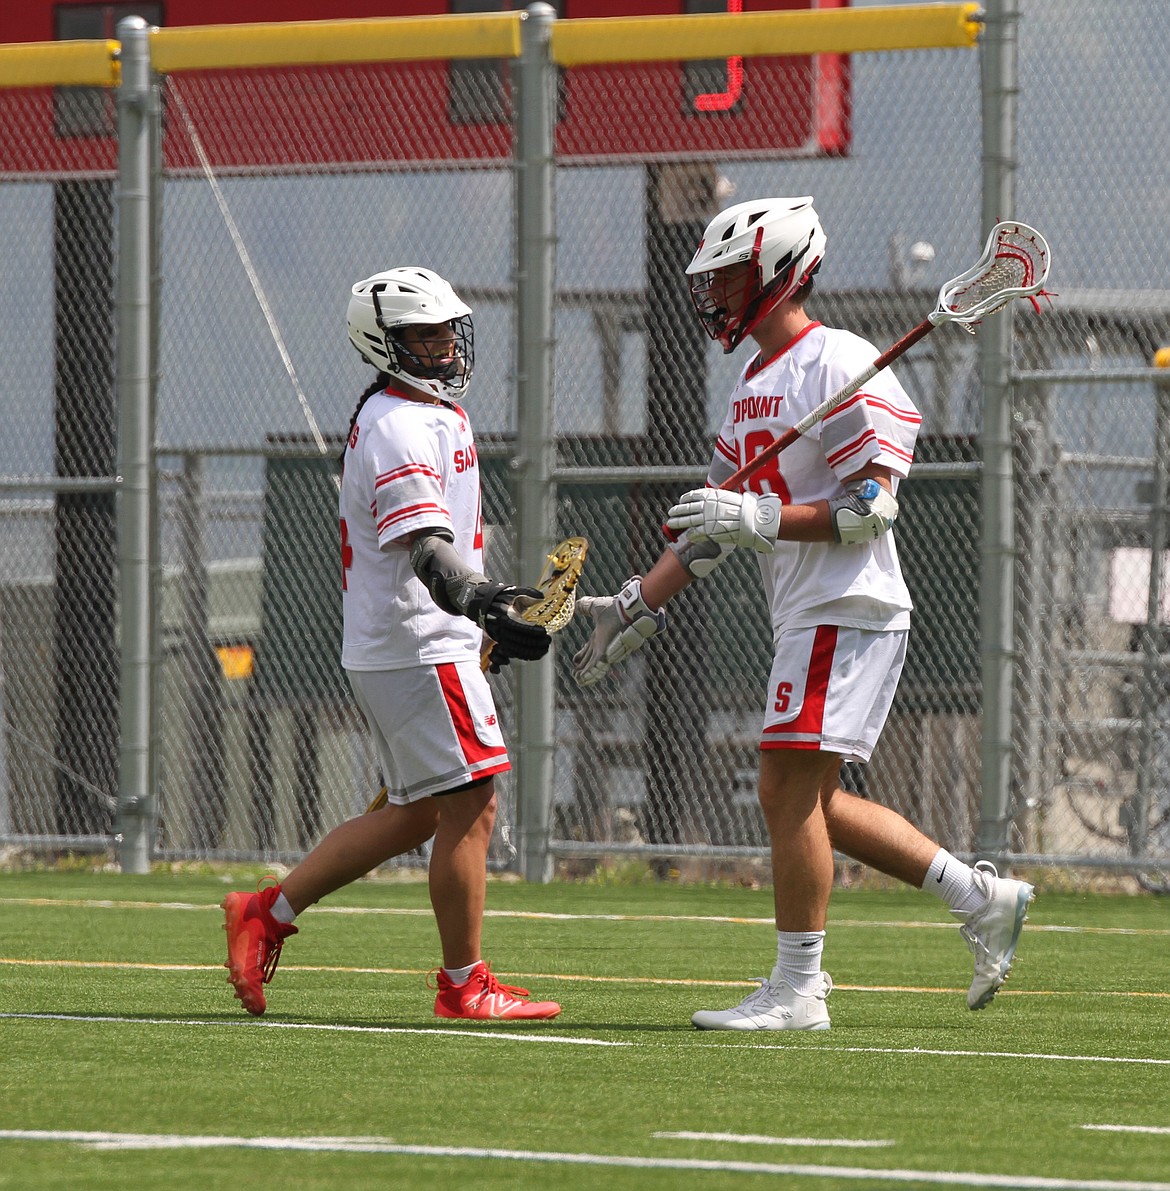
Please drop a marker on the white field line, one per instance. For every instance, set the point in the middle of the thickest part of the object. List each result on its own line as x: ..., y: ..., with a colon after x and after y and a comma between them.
x: 568, y: 977
x: 472, y: 1031
x: 915, y: 1051
x: 1158, y: 1129
x: 757, y: 1139
x: 538, y: 915
x: 358, y: 1145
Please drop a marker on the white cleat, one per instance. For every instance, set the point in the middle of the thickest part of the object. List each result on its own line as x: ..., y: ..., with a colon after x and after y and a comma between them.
x: 771, y: 1007
x: 993, y: 931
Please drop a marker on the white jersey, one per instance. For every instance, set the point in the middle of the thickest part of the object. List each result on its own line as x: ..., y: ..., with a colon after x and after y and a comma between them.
x: 813, y: 583
x: 408, y: 465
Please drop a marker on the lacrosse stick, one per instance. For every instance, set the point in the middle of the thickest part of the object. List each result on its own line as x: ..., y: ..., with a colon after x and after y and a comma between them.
x: 558, y: 582
x: 1014, y: 264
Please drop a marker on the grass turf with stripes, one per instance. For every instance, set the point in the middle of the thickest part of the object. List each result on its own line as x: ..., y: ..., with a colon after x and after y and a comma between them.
x: 117, y: 1020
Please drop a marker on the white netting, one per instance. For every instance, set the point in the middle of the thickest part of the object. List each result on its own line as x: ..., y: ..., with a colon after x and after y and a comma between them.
x: 1014, y: 265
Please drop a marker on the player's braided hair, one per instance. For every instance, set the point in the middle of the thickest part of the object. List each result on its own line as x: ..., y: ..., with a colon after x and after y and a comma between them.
x: 375, y: 386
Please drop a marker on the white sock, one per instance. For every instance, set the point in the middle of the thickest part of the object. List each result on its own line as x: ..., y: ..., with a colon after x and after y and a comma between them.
x: 281, y: 910
x: 461, y: 975
x: 798, y: 960
x: 953, y: 882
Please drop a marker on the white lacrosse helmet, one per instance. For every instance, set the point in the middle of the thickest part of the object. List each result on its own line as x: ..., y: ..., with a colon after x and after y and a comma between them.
x: 380, y: 307
x: 782, y: 243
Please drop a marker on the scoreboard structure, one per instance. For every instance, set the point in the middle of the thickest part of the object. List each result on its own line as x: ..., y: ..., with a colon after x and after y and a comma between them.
x: 436, y: 108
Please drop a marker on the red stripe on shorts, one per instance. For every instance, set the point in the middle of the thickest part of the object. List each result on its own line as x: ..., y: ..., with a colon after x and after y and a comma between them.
x: 811, y: 720
x: 475, y: 751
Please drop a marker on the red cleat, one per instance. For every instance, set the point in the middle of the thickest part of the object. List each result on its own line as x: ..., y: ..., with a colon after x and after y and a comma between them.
x: 484, y: 998
x: 254, y: 942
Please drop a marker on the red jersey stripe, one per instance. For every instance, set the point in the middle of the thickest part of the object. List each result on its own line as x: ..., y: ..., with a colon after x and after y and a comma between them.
x: 411, y: 511
x: 811, y: 720
x: 850, y: 448
x: 849, y: 404
x: 730, y: 452
x: 894, y: 449
x: 903, y: 415
x: 912, y: 417
x: 407, y: 469
x: 475, y: 752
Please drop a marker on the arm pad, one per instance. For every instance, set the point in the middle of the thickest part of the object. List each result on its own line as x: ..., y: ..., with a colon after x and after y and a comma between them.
x: 864, y: 513
x: 700, y: 556
x: 451, y: 582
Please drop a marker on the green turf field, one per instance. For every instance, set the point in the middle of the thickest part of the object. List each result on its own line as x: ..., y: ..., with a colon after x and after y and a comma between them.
x: 125, y: 1062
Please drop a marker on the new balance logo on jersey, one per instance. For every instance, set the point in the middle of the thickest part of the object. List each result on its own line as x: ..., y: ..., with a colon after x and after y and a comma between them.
x: 465, y: 458
x: 490, y: 720
x: 748, y: 409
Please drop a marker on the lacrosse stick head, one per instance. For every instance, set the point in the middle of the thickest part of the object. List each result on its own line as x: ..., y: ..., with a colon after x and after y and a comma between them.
x: 558, y: 581
x: 1014, y: 264
x: 558, y: 585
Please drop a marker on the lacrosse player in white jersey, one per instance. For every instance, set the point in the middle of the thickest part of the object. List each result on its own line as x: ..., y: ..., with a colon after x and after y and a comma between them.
x: 416, y: 607
x: 819, y: 515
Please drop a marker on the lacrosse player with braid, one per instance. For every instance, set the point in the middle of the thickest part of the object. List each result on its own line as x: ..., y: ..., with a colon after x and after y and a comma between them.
x: 416, y: 607
x: 819, y: 516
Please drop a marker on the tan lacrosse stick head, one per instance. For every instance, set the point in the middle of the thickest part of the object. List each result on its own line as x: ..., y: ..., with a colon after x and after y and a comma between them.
x: 558, y: 582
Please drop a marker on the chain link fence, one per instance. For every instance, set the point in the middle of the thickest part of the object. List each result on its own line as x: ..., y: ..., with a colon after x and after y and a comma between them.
x: 280, y: 185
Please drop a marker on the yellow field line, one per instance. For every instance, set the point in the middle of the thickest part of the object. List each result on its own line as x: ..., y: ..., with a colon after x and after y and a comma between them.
x: 577, y: 978
x: 543, y: 915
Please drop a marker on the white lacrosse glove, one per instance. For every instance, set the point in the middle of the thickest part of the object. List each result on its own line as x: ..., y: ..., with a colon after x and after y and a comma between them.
x: 864, y: 513
x: 731, y: 518
x: 622, y: 623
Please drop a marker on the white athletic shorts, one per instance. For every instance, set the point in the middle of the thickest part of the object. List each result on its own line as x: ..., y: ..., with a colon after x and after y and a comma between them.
x: 435, y: 728
x: 831, y: 689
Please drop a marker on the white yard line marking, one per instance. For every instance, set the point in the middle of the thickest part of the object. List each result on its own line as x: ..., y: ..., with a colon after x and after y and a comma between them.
x: 537, y: 915
x: 1159, y: 1129
x: 916, y: 1051
x: 474, y: 1031
x: 757, y: 1139
x: 359, y: 1145
x: 569, y: 977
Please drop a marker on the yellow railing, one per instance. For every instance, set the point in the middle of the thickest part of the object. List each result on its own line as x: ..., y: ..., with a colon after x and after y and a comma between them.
x: 822, y: 31
x: 325, y: 43
x: 497, y: 35
x: 60, y: 64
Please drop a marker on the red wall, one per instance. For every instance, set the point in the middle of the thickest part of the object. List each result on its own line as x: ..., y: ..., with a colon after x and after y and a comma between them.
x: 399, y: 113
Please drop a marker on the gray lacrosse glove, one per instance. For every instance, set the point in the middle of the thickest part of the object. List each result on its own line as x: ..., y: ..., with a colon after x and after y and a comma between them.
x: 864, y: 513
x: 729, y: 518
x: 622, y: 623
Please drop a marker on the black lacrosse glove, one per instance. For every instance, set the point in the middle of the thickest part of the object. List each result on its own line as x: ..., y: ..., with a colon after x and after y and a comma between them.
x: 491, y: 608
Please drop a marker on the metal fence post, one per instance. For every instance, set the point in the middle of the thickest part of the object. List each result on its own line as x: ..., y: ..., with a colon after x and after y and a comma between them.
x: 997, y: 542
x: 536, y: 500
x: 1153, y: 698
x: 137, y: 812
